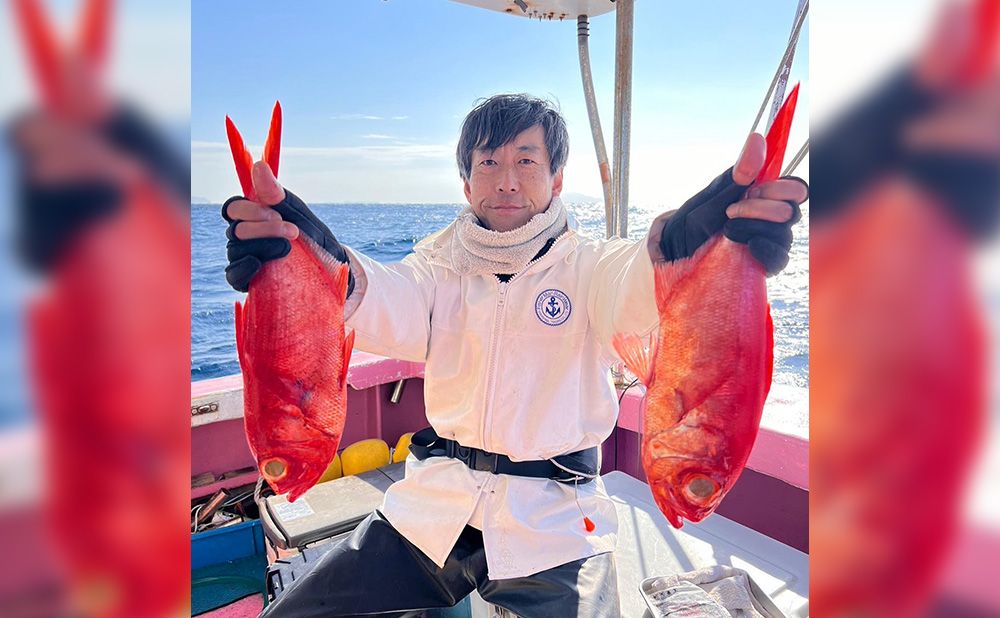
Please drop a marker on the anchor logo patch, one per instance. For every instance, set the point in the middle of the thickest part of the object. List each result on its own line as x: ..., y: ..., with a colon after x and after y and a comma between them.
x: 553, y: 307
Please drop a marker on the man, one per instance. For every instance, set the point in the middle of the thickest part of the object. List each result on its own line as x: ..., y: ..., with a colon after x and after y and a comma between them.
x: 513, y: 313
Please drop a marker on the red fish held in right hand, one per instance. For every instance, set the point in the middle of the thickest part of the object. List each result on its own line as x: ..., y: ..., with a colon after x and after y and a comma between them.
x: 709, y: 368
x: 293, y: 350
x: 708, y: 373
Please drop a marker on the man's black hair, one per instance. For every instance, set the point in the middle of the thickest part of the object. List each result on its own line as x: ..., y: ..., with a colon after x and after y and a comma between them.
x: 499, y: 119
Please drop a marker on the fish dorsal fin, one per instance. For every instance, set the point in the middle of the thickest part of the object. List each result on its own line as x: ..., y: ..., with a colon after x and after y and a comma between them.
x: 348, y: 348
x: 637, y: 358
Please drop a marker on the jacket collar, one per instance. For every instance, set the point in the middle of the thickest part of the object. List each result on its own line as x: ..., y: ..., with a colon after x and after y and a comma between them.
x: 433, y: 248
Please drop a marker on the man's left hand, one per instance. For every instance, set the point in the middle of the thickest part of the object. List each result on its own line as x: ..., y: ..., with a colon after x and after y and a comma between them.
x: 760, y: 216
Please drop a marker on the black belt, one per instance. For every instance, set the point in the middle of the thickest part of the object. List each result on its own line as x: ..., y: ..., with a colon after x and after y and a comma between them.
x: 579, y: 467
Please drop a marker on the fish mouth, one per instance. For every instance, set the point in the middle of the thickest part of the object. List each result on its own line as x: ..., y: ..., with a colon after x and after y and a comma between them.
x: 274, y: 469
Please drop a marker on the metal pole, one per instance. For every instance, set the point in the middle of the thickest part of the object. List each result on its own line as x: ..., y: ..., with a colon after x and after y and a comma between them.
x: 623, y: 112
x: 786, y: 60
x: 786, y: 68
x: 582, y: 36
x: 801, y: 154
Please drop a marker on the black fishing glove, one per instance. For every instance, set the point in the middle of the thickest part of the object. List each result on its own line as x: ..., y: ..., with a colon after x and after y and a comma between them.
x: 247, y: 256
x: 132, y: 133
x: 51, y: 216
x: 865, y: 143
x: 967, y: 184
x: 704, y: 216
x: 52, y: 213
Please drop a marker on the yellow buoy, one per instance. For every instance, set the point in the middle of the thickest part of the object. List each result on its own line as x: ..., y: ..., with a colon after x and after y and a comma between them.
x: 364, y: 455
x: 333, y: 471
x: 402, y: 448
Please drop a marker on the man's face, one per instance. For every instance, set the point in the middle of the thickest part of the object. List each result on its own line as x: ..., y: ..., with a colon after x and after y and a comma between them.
x: 513, y: 183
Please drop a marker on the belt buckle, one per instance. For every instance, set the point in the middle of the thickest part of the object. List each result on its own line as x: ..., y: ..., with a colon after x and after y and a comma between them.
x: 485, y: 462
x: 464, y: 454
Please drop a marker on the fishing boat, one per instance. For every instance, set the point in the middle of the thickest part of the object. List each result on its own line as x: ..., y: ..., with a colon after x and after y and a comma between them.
x: 248, y: 546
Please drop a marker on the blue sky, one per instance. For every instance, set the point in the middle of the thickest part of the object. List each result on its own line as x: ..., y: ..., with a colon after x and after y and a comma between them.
x: 148, y: 65
x: 374, y: 91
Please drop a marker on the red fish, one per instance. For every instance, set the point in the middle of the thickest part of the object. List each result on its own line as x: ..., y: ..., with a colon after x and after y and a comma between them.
x: 293, y: 350
x: 708, y: 373
x: 898, y: 399
x: 108, y: 346
x: 708, y: 370
x: 899, y: 372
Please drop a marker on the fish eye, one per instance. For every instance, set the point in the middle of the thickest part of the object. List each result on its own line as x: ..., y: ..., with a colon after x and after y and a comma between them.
x: 274, y: 469
x: 700, y: 488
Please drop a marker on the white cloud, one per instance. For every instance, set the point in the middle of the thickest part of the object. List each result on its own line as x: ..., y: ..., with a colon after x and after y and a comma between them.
x: 367, y: 173
x: 356, y: 117
x: 400, y: 117
x: 376, y: 136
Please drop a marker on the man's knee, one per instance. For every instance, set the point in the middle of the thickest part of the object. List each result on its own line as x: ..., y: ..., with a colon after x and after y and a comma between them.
x: 585, y: 588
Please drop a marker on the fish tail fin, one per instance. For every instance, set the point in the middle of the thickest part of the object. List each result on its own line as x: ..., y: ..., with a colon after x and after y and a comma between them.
x: 348, y: 348
x: 272, y: 147
x: 241, y: 159
x: 95, y: 22
x: 42, y: 47
x: 637, y: 358
x: 777, y: 138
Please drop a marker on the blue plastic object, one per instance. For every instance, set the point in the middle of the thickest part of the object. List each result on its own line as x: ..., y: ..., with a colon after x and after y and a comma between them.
x: 227, y: 544
x: 227, y: 564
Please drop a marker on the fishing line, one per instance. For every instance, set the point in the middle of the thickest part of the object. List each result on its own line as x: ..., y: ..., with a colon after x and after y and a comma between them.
x: 622, y: 396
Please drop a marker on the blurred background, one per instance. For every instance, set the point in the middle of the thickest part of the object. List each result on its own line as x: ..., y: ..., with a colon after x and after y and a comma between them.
x: 904, y: 307
x: 94, y: 264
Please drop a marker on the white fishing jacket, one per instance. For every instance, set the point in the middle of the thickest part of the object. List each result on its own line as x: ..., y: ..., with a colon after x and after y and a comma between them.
x: 518, y: 368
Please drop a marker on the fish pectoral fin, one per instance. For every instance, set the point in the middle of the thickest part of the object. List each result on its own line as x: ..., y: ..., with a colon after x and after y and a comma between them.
x: 337, y: 273
x: 636, y: 357
x: 348, y: 348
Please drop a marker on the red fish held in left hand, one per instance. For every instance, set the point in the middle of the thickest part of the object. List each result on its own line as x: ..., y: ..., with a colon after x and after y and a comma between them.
x: 293, y: 350
x: 709, y: 368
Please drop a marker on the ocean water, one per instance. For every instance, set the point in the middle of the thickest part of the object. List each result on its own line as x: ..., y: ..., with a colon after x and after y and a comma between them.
x: 388, y: 232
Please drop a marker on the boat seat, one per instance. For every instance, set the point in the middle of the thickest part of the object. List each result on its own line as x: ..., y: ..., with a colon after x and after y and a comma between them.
x: 326, y: 510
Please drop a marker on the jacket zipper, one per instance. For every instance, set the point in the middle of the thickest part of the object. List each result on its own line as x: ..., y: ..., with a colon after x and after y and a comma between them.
x: 494, y: 349
x: 491, y: 380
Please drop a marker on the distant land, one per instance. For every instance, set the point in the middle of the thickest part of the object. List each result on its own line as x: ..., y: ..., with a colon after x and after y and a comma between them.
x: 197, y: 199
x: 579, y: 198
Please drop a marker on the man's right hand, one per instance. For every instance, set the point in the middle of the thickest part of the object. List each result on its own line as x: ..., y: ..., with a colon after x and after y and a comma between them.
x: 263, y: 230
